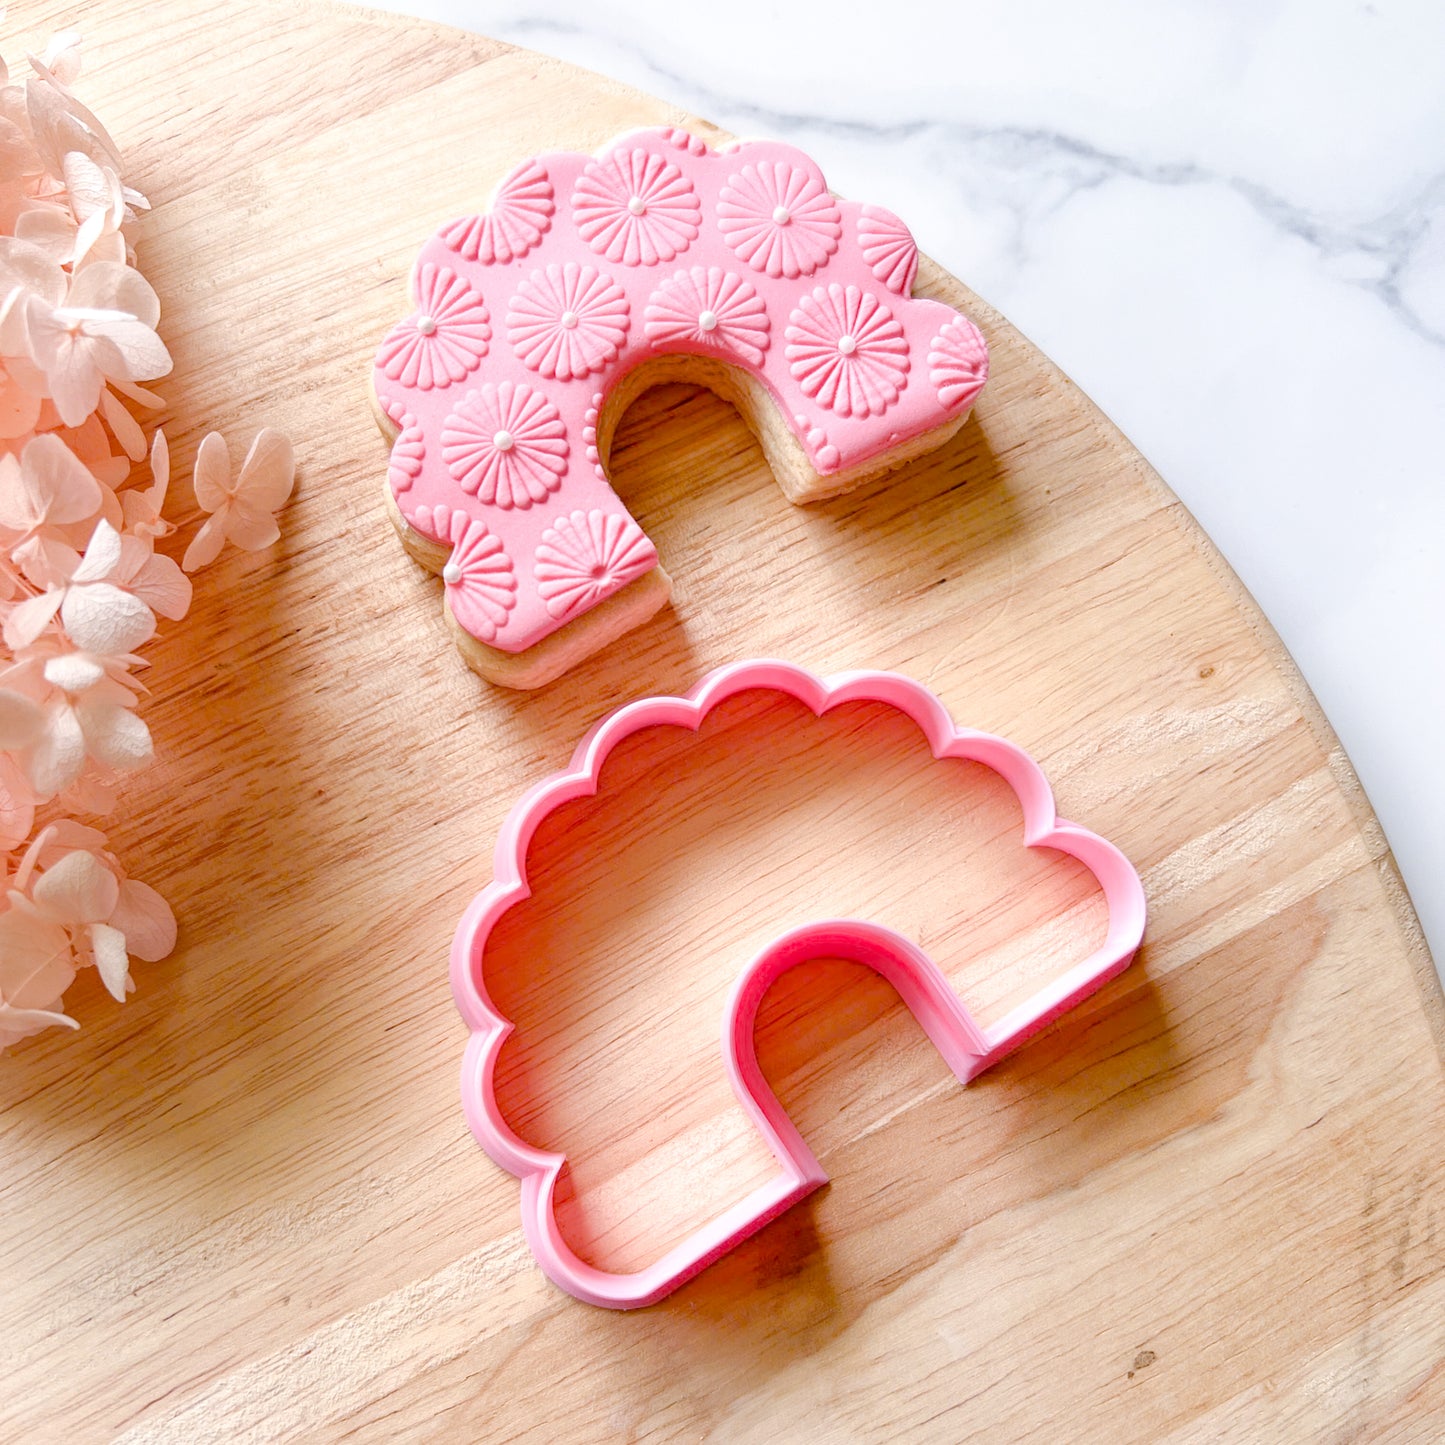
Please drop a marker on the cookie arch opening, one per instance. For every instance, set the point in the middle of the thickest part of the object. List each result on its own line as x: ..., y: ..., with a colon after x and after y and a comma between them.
x: 749, y: 394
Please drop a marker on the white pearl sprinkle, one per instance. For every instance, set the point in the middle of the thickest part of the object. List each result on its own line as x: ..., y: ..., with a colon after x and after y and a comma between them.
x: 503, y: 441
x: 426, y: 325
x: 569, y: 320
x: 846, y: 345
x: 637, y: 206
x: 451, y: 574
x: 781, y: 215
x: 707, y: 321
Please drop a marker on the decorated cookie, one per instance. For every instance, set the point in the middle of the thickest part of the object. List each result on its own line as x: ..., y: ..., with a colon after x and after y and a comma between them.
x: 590, y: 279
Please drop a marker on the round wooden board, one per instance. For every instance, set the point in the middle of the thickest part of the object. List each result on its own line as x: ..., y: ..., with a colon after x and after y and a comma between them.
x: 245, y: 1205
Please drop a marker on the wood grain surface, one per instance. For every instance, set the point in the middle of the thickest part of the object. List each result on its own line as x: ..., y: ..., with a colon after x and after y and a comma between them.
x: 245, y: 1205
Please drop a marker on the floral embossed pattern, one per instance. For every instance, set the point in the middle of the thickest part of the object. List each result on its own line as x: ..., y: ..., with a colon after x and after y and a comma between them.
x: 587, y: 555
x: 779, y: 218
x: 567, y: 320
x: 710, y: 308
x: 846, y: 349
x: 887, y: 245
x: 446, y: 339
x: 635, y: 208
x: 506, y: 445
x: 958, y: 362
x: 731, y: 263
x: 519, y: 218
x: 480, y: 585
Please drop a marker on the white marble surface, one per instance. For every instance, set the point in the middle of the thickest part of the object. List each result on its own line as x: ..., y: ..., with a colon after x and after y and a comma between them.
x: 1225, y: 220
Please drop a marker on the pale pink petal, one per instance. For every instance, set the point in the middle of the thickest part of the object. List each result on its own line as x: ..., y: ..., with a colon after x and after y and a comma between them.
x: 48, y: 229
x: 64, y: 836
x: 160, y: 468
x: 32, y: 269
x: 19, y: 408
x: 206, y: 544
x: 17, y: 804
x: 89, y: 793
x: 212, y: 478
x: 37, y: 963
x: 112, y: 474
x: 55, y: 759
x: 102, y: 555
x: 49, y: 486
x: 60, y: 123
x: 95, y: 289
x: 112, y: 286
x: 113, y: 689
x: 61, y: 56
x: 73, y: 672
x: 250, y: 527
x: 21, y: 721
x: 16, y: 308
x: 143, y: 354
x: 146, y: 920
x: 94, y: 243
x: 162, y: 586
x: 124, y: 425
x: 18, y: 160
x: 77, y: 889
x: 86, y: 184
x: 20, y: 1023
x: 103, y: 618
x: 30, y: 376
x: 31, y: 618
x: 107, y: 947
x: 269, y: 471
x: 114, y: 736
x: 142, y: 520
x: 75, y: 364
x: 87, y: 237
x: 91, y: 444
x: 138, y: 393
x: 46, y: 562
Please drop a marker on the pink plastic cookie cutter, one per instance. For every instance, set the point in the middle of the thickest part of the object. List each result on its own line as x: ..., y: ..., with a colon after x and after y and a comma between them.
x: 966, y: 1047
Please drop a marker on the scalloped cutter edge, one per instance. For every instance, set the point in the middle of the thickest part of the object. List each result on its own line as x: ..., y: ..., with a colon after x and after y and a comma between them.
x: 966, y: 1047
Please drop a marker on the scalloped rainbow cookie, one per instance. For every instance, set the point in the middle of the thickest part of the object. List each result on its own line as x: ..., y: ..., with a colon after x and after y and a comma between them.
x: 591, y: 278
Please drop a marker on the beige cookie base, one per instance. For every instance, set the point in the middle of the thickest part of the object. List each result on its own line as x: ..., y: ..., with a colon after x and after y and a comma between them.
x: 634, y: 604
x: 557, y: 653
x: 757, y: 406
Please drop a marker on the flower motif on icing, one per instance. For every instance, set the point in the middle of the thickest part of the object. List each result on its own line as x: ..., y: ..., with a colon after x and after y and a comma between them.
x: 590, y: 420
x: 888, y: 247
x: 779, y: 218
x: 958, y: 362
x: 584, y: 557
x: 566, y: 321
x: 481, y: 588
x: 846, y: 349
x: 636, y: 208
x: 407, y: 452
x: 505, y: 444
x: 711, y: 308
x: 520, y: 215
x: 446, y: 339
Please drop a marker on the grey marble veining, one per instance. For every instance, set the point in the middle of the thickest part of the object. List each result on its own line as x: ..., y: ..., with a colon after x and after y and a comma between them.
x: 1225, y: 221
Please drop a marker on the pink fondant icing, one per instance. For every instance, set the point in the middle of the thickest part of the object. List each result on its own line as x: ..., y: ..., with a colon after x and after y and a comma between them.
x: 586, y: 266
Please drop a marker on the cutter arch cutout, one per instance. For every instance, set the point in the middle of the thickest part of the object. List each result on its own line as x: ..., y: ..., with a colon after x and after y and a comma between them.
x: 591, y: 278
x: 966, y: 1046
